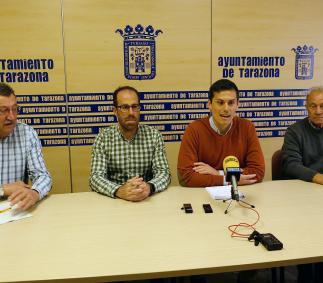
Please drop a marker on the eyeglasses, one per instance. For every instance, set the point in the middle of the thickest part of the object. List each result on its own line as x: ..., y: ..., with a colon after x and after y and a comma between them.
x: 6, y: 110
x: 126, y: 108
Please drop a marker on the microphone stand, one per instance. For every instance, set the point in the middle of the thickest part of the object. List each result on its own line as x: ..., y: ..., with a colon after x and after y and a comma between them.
x: 235, y: 195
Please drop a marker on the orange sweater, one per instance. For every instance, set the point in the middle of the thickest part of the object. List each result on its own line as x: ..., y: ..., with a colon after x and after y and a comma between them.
x: 201, y: 143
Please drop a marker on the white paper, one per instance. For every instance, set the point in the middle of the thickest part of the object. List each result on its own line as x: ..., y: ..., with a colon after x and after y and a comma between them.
x: 221, y: 192
x: 11, y: 214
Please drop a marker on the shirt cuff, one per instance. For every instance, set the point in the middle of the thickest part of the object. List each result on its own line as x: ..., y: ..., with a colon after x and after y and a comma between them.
x: 221, y: 172
x: 114, y: 191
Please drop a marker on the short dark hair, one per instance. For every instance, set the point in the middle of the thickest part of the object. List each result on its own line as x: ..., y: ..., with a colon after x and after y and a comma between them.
x: 121, y: 88
x: 6, y: 90
x: 221, y: 85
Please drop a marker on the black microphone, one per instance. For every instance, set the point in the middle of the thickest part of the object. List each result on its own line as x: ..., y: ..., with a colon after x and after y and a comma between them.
x: 231, y: 169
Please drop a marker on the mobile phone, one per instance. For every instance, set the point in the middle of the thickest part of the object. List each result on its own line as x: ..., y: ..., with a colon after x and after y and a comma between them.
x: 207, y: 208
x: 187, y: 207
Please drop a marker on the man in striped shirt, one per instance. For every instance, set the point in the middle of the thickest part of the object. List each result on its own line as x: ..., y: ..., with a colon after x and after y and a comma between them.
x: 21, y: 156
x: 128, y: 159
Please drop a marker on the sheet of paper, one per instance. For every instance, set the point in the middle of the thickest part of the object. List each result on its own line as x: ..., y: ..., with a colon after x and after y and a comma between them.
x: 7, y: 214
x: 221, y: 192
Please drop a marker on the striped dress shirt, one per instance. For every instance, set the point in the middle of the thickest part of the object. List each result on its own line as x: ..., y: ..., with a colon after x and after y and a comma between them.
x: 116, y: 160
x: 20, y: 154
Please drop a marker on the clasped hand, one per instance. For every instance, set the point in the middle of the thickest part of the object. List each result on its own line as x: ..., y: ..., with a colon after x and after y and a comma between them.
x: 135, y: 189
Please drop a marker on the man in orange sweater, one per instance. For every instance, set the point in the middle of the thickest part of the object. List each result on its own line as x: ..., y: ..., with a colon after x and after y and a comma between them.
x: 207, y: 141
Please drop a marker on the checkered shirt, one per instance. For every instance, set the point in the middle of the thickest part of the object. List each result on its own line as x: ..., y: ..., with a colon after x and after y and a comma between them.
x: 20, y: 153
x: 116, y: 160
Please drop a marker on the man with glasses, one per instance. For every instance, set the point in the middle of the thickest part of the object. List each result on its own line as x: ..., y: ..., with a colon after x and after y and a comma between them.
x: 128, y: 159
x: 21, y: 156
x: 207, y: 141
x: 302, y: 158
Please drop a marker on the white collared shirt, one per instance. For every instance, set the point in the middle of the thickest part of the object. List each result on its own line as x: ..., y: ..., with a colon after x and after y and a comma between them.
x: 216, y: 129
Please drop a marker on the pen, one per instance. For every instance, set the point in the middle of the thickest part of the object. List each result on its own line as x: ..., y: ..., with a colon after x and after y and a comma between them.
x: 4, y: 210
x: 15, y: 206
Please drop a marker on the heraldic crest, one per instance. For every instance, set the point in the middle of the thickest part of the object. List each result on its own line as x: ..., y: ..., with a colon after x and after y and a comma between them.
x: 304, y: 62
x: 139, y: 48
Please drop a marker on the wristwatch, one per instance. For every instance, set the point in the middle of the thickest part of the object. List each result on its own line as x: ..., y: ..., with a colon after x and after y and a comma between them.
x: 152, y: 189
x: 1, y: 192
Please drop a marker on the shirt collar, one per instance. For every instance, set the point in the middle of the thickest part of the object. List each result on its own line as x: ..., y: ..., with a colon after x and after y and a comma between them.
x: 121, y: 135
x: 216, y: 129
x: 312, y: 125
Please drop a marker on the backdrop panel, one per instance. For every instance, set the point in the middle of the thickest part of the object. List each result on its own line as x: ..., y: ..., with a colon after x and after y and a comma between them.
x: 272, y: 50
x: 31, y: 61
x: 160, y: 47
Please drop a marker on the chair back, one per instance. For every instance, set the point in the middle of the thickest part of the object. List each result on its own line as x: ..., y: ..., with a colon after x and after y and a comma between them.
x: 276, y: 165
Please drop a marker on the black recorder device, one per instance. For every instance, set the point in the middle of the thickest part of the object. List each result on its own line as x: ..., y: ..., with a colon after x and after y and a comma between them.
x: 268, y: 240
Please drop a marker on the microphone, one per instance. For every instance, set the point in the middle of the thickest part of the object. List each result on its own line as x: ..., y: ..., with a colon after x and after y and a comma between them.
x: 231, y: 169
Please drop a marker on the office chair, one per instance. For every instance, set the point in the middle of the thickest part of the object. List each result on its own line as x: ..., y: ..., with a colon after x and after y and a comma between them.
x: 276, y: 174
x: 276, y: 165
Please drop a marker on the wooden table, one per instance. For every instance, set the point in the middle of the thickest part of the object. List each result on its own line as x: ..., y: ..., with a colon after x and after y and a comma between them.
x: 87, y: 237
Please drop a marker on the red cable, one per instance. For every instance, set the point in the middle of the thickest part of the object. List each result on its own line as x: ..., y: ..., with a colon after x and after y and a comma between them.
x: 234, y: 233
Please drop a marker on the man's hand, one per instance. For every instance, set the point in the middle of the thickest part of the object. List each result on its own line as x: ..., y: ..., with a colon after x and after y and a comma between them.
x: 247, y: 179
x: 135, y: 189
x: 203, y: 168
x: 24, y: 197
x: 9, y: 189
x: 318, y: 178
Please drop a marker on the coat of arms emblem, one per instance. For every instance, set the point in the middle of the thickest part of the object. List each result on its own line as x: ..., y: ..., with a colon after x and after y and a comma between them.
x: 304, y: 62
x: 139, y: 48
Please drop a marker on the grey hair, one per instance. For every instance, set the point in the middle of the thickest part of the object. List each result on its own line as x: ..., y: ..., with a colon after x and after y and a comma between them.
x: 316, y: 89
